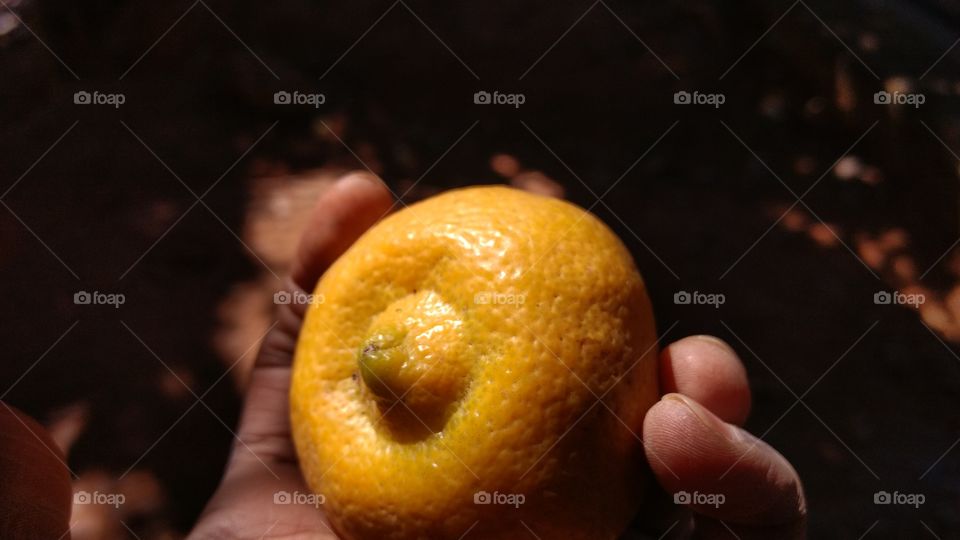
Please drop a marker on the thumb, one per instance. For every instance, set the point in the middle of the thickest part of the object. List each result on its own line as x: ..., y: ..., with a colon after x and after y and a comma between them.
x: 722, y: 472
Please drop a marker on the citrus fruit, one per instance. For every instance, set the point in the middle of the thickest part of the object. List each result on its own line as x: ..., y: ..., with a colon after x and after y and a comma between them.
x: 480, y: 361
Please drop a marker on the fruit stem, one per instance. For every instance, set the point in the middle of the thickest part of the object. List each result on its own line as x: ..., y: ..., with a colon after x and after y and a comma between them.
x: 381, y: 362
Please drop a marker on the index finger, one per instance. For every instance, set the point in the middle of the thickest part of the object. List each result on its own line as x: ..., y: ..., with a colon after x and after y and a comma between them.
x: 341, y: 215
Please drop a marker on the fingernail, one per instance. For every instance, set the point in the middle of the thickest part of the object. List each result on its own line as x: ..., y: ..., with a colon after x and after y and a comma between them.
x: 716, y: 342
x: 707, y: 418
x: 361, y: 177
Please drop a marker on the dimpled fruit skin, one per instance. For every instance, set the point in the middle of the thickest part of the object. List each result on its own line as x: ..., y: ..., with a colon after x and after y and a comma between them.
x: 543, y: 304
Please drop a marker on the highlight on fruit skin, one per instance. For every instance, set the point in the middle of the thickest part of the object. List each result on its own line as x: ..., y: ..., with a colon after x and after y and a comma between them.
x: 482, y: 361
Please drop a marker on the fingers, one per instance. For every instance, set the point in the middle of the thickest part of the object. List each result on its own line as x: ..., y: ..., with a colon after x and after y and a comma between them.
x: 341, y: 215
x: 35, y: 494
x: 278, y: 345
x: 338, y: 218
x: 738, y: 478
x: 709, y: 371
x: 694, y: 446
x: 263, y: 461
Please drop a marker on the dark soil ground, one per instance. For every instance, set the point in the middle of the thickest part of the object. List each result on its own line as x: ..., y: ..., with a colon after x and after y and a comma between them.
x: 879, y: 383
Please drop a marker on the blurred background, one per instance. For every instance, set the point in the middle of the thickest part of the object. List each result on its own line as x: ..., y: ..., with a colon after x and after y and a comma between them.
x: 785, y: 173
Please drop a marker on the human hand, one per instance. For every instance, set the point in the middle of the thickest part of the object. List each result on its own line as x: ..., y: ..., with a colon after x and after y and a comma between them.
x: 689, y: 446
x: 263, y: 462
x: 695, y: 445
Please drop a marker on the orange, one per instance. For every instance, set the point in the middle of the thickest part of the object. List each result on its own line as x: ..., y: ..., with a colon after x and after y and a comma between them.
x: 480, y: 361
